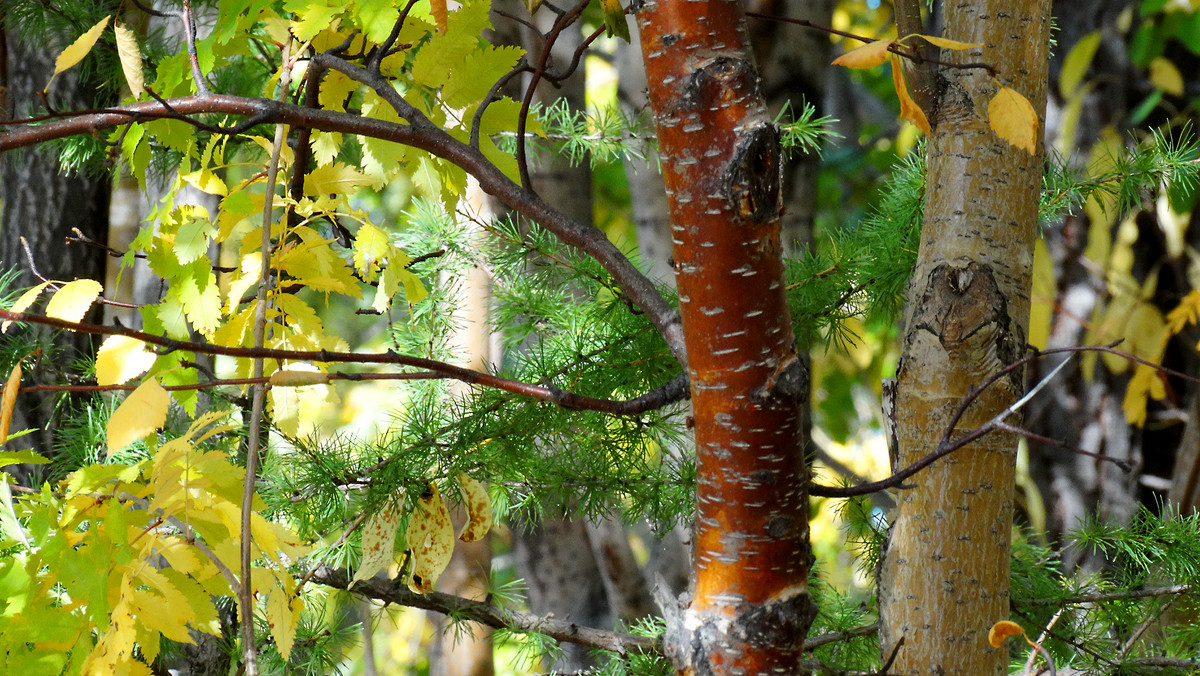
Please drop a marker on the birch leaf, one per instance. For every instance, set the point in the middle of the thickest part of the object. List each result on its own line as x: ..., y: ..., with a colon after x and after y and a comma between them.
x: 909, y: 110
x: 949, y: 44
x: 379, y: 538
x: 71, y: 302
x: 1000, y: 632
x: 431, y: 539
x: 479, y: 509
x: 24, y: 302
x: 142, y: 412
x: 121, y: 359
x: 8, y: 400
x: 283, y: 616
x: 869, y: 55
x: 1013, y: 119
x: 439, y: 11
x: 1165, y: 76
x: 78, y: 49
x: 131, y: 60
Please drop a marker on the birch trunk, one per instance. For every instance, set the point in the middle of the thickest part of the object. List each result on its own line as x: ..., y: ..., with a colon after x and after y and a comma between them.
x: 945, y: 576
x: 750, y: 608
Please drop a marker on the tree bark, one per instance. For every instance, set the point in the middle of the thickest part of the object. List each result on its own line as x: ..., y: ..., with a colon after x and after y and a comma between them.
x: 750, y: 609
x: 41, y: 203
x: 945, y: 574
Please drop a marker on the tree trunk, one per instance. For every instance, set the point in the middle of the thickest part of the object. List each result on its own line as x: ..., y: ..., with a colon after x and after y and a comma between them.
x: 945, y: 575
x: 41, y: 204
x: 750, y: 608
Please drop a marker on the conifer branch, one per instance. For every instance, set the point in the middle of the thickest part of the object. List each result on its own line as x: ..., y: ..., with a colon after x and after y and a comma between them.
x: 667, y: 394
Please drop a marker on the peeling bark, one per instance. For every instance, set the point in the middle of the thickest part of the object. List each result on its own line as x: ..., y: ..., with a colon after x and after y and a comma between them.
x: 749, y: 609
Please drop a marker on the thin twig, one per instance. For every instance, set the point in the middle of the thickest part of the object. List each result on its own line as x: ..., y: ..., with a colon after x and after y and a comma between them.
x: 189, y: 38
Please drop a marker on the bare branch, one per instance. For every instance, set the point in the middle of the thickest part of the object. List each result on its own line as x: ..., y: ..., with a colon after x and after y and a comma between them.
x: 488, y: 614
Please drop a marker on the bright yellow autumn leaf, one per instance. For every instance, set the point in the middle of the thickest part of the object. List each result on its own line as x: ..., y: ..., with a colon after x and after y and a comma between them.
x: 142, y: 412
x: 1000, y: 632
x: 1013, y: 119
x: 479, y: 509
x: 131, y: 60
x: 379, y: 538
x: 431, y: 540
x: 78, y: 49
x: 8, y: 400
x: 338, y: 178
x: 24, y: 302
x: 1145, y: 383
x: 909, y: 110
x: 288, y: 378
x: 72, y: 301
x: 872, y: 54
x: 283, y: 616
x: 121, y: 359
x: 949, y: 44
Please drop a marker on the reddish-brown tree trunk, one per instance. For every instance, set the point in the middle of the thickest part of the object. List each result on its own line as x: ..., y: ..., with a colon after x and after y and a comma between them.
x: 750, y: 607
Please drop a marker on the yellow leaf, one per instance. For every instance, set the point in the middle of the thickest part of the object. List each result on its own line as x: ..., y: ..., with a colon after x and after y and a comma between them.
x: 71, y: 302
x: 909, y: 110
x: 335, y: 179
x: 438, y: 9
x: 949, y: 44
x: 8, y: 400
x: 1000, y: 632
x: 283, y: 615
x: 78, y: 49
x: 379, y: 538
x: 1187, y: 312
x: 1076, y: 62
x: 121, y: 359
x: 142, y: 412
x: 131, y: 60
x: 1145, y: 383
x: 1166, y: 76
x: 24, y: 302
x: 287, y: 378
x: 479, y: 509
x: 1013, y: 119
x: 868, y: 56
x: 431, y: 540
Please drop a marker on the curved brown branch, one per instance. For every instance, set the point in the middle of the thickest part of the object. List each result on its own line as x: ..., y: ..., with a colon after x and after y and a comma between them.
x: 489, y: 615
x: 420, y: 133
x: 674, y: 391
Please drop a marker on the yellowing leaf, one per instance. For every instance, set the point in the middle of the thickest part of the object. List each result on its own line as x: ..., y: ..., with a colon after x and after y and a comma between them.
x: 909, y: 110
x: 78, y: 49
x: 379, y: 538
x: 1000, y: 632
x: 949, y: 44
x: 1187, y: 312
x: 131, y: 59
x: 283, y: 616
x: 868, y: 56
x: 71, y: 302
x: 120, y: 359
x: 1076, y: 62
x: 479, y: 509
x: 287, y: 378
x: 8, y: 400
x: 142, y: 412
x: 335, y: 179
x: 438, y: 9
x: 431, y: 540
x: 614, y: 19
x: 1145, y: 383
x: 24, y: 302
x: 1166, y: 76
x: 1013, y: 119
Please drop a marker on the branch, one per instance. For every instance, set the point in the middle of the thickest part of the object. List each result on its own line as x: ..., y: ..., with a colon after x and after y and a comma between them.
x: 490, y: 615
x: 674, y: 391
x: 420, y: 133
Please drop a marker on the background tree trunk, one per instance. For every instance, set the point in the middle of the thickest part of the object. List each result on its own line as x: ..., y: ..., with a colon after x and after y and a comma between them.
x: 945, y: 574
x: 41, y: 203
